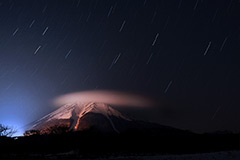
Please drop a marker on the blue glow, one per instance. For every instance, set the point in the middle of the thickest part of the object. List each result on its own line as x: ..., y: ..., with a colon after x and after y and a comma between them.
x: 17, y: 108
x: 16, y: 125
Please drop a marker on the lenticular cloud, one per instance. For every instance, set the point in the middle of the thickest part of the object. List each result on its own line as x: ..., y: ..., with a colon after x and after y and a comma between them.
x: 109, y: 97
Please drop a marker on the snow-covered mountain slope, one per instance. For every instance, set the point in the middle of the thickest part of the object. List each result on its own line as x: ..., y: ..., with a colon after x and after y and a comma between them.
x: 96, y: 117
x: 80, y: 116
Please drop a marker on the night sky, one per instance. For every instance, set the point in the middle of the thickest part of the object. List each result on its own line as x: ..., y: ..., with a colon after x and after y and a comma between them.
x: 184, y: 52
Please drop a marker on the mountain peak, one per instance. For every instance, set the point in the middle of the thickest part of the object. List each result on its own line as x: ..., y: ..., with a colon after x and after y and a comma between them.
x: 98, y: 118
x: 77, y: 117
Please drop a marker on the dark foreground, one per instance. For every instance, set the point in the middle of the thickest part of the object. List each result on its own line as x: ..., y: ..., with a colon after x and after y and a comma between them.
x: 83, y: 145
x: 73, y: 155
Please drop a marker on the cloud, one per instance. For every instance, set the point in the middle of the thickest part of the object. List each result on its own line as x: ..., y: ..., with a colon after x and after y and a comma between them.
x: 117, y: 98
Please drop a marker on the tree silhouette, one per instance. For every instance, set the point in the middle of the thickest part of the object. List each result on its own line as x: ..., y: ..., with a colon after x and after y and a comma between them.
x: 57, y: 129
x: 6, y: 130
x: 31, y: 132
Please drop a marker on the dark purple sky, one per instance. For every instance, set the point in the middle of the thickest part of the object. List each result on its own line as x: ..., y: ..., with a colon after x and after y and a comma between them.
x: 185, y: 52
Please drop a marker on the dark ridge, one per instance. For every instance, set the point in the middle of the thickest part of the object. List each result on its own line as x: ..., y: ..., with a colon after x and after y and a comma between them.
x: 92, y: 141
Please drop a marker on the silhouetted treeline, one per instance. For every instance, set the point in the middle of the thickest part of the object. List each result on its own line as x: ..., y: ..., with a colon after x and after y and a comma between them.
x: 92, y: 142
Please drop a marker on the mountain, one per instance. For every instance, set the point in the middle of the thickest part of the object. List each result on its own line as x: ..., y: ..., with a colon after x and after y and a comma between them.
x: 98, y: 117
x: 94, y: 128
